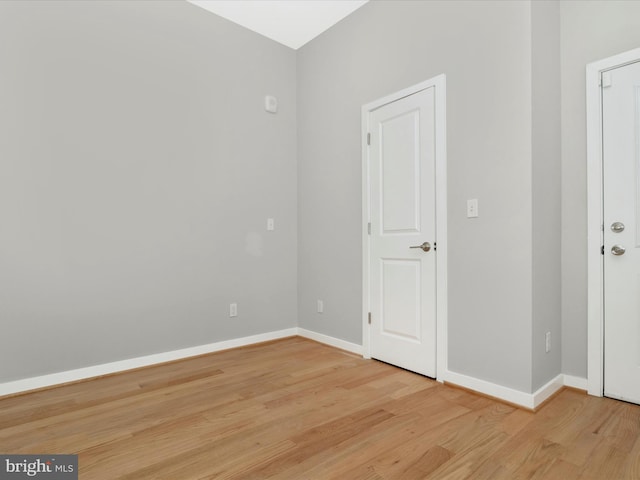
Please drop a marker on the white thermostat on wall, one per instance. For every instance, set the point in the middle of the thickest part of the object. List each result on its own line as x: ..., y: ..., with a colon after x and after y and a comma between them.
x: 271, y: 104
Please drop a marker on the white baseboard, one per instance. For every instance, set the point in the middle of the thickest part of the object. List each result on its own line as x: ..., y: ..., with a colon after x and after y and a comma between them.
x: 526, y: 400
x: 334, y: 342
x: 546, y: 391
x: 43, y: 381
x: 491, y: 389
x: 576, y: 382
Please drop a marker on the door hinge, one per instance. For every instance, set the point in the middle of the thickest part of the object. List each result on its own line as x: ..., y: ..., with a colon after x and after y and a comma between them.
x: 368, y: 139
x: 369, y: 318
x: 605, y: 79
x: 369, y: 228
x: 602, y: 250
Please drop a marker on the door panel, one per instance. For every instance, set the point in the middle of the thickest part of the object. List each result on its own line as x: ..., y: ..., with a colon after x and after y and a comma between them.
x: 402, y: 199
x: 401, y: 299
x: 621, y: 187
x: 400, y: 158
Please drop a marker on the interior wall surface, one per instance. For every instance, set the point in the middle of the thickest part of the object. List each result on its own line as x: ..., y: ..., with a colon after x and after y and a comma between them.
x: 545, y: 21
x: 137, y: 172
x: 484, y: 48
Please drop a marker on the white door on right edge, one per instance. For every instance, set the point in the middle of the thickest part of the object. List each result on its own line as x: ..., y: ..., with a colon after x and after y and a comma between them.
x: 621, y: 203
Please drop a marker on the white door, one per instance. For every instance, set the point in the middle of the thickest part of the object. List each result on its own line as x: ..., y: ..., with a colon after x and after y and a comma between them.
x: 621, y: 188
x: 402, y: 282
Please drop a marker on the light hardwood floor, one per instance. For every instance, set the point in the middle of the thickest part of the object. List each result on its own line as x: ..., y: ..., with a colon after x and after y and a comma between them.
x: 295, y: 409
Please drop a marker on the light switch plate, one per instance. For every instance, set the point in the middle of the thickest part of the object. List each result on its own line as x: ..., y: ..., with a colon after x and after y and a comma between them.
x: 271, y: 104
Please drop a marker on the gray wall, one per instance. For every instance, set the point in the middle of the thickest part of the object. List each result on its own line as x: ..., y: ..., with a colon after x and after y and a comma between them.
x: 485, y: 50
x: 138, y: 170
x: 545, y: 60
x: 590, y: 31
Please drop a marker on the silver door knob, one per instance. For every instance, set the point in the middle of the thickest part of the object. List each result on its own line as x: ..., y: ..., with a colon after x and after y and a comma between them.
x: 426, y: 246
x: 618, y: 250
x: 617, y: 227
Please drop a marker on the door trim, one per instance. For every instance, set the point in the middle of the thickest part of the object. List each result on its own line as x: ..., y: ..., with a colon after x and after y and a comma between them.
x: 595, y: 200
x: 439, y: 83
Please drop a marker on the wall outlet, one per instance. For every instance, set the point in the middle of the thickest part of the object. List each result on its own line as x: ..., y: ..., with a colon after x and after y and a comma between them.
x: 320, y: 306
x: 271, y: 224
x: 472, y: 208
x: 547, y: 342
x: 233, y: 310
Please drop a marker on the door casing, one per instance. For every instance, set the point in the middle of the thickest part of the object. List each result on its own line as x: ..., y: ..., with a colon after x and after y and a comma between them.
x: 595, y: 200
x: 439, y: 83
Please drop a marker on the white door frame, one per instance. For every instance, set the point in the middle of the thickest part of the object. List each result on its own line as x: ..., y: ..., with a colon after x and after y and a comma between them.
x: 439, y: 83
x: 595, y: 239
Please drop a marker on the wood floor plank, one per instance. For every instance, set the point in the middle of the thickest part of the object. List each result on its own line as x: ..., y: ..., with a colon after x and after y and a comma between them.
x: 340, y: 457
x: 296, y: 409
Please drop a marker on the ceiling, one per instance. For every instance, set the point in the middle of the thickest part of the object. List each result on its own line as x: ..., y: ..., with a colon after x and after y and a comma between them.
x: 290, y: 22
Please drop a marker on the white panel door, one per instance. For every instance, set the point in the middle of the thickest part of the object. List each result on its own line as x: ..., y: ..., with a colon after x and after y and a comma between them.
x: 621, y: 172
x: 402, y: 213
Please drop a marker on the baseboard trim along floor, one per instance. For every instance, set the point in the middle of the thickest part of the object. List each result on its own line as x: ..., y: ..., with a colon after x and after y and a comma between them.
x: 529, y: 401
x: 70, y: 376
